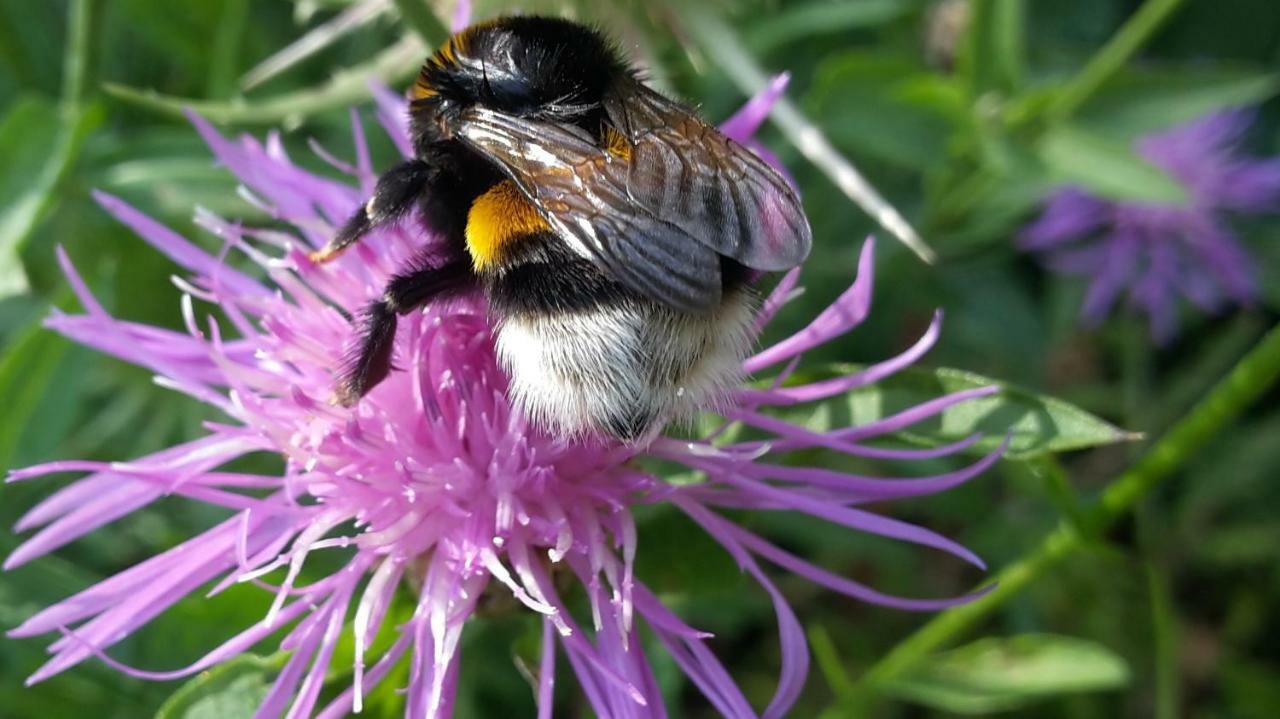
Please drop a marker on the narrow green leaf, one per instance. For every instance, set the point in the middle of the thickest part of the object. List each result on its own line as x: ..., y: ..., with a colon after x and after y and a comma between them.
x: 1002, y: 674
x: 1106, y: 167
x: 829, y: 661
x: 1139, y: 102
x: 231, y: 690
x: 346, y: 88
x: 38, y: 144
x: 26, y: 133
x: 1037, y: 424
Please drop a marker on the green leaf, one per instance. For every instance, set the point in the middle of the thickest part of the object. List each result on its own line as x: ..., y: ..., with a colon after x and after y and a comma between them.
x: 1106, y: 167
x: 231, y: 690
x: 28, y: 134
x: 1037, y: 424
x: 1000, y: 674
x: 26, y: 371
x: 872, y: 104
x: 1136, y: 103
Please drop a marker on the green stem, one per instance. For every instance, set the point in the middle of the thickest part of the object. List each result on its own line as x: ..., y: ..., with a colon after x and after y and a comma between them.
x: 1247, y: 381
x: 75, y: 66
x: 1135, y: 373
x: 1132, y: 36
x: 1165, y: 626
x: 226, y: 48
x: 994, y: 54
x: 348, y: 87
x: 1061, y: 542
x: 1058, y: 485
x: 419, y: 16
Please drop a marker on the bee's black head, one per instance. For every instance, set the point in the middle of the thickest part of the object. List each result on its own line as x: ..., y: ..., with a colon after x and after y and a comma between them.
x: 535, y: 67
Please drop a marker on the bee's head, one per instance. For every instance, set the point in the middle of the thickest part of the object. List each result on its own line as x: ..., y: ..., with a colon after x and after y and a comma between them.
x: 534, y: 67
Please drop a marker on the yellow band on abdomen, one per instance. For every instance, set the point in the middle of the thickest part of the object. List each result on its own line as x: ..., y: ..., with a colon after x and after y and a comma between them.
x: 497, y: 218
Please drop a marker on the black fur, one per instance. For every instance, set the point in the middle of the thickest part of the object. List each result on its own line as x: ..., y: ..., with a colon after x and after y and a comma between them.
x: 546, y: 277
x: 371, y: 362
x: 397, y: 191
x: 527, y: 66
x: 540, y: 68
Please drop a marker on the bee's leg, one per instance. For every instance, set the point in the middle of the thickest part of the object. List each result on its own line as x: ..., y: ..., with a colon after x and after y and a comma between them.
x: 406, y: 291
x: 395, y: 194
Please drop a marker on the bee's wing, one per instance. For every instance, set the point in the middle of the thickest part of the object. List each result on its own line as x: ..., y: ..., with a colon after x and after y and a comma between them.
x: 581, y: 191
x: 714, y: 189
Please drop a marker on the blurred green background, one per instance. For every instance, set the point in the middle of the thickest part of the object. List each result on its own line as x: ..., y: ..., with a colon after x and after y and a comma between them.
x: 1170, y: 612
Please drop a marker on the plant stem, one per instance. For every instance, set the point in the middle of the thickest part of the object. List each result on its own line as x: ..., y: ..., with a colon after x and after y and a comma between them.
x: 1131, y: 37
x: 995, y: 52
x: 1247, y: 381
x: 346, y: 88
x: 1165, y: 630
x: 226, y: 48
x: 75, y: 65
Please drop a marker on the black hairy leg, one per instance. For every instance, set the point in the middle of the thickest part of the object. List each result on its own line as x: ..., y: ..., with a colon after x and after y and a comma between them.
x: 369, y: 364
x: 397, y: 191
x: 441, y: 183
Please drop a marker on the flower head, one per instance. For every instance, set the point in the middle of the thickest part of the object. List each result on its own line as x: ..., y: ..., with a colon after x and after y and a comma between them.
x: 434, y: 482
x: 1157, y: 252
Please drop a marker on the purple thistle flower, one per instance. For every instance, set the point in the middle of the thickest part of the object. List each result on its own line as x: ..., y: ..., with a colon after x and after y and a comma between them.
x: 1156, y: 252
x: 433, y: 480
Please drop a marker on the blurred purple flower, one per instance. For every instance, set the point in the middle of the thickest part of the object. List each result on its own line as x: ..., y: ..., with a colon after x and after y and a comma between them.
x: 1156, y: 252
x: 433, y: 482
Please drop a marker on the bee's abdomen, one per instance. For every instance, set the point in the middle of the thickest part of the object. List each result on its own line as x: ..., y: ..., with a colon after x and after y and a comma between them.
x: 622, y: 368
x: 555, y: 282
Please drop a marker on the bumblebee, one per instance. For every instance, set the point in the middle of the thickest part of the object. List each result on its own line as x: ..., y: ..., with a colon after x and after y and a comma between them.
x: 614, y: 233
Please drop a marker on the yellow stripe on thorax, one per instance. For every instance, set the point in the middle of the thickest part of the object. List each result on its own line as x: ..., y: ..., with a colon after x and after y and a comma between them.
x: 497, y: 218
